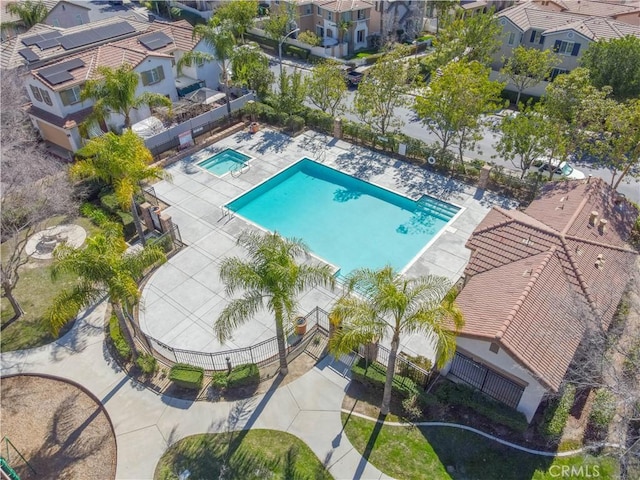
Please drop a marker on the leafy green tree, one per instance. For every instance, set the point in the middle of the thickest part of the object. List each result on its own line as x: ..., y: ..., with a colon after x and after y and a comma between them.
x: 383, y: 89
x: 454, y: 101
x: 121, y: 161
x: 28, y: 11
x: 271, y: 278
x: 444, y: 10
x: 474, y: 38
x: 104, y: 267
x: 326, y: 87
x: 239, y: 13
x: 383, y: 303
x: 523, y: 139
x: 616, y: 63
x: 310, y: 38
x: 344, y: 26
x: 528, y: 67
x: 292, y: 93
x: 250, y: 68
x: 217, y: 34
x: 115, y: 91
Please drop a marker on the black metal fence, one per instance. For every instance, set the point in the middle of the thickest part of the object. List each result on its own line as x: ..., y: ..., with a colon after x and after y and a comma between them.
x: 403, y: 367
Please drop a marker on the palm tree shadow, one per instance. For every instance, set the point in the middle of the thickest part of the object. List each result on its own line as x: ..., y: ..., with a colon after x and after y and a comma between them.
x: 369, y: 448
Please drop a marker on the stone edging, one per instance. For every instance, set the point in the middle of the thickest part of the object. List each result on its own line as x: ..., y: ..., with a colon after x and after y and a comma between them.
x: 568, y: 453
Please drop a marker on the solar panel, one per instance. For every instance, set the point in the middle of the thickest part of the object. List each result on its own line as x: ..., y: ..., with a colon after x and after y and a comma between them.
x: 59, y: 77
x: 50, y: 35
x: 155, y: 40
x: 45, y: 44
x: 29, y: 55
x: 87, y: 37
x: 28, y: 41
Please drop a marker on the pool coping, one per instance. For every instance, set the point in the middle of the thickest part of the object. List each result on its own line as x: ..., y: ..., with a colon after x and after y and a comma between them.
x: 250, y: 158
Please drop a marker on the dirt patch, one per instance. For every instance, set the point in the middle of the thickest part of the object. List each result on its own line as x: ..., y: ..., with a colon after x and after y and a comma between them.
x: 61, y: 431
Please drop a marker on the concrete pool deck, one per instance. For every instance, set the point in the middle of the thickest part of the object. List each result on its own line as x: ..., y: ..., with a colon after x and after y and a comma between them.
x: 183, y: 298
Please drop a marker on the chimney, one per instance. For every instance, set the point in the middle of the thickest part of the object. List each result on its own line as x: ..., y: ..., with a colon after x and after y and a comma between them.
x: 589, y: 178
x: 602, y: 226
x: 600, y: 262
x: 593, y: 218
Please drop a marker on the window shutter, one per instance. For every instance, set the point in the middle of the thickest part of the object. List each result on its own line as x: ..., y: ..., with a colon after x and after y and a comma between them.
x: 160, y: 71
x: 146, y: 78
x: 541, y: 39
x: 533, y: 36
x: 576, y: 49
x: 556, y: 46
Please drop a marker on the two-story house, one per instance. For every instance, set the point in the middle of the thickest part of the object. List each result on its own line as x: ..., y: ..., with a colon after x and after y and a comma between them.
x: 568, y: 32
x: 401, y: 19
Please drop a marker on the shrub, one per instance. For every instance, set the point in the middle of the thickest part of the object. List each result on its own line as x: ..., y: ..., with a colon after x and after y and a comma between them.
x: 371, y: 59
x: 110, y: 203
x: 319, y: 119
x: 281, y: 118
x: 374, y: 376
x: 310, y: 38
x: 129, y: 228
x: 147, y: 363
x: 119, y: 342
x: 631, y: 365
x: 557, y: 413
x: 603, y: 408
x: 294, y: 123
x: 411, y: 407
x: 97, y: 216
x: 301, y: 53
x: 242, y: 375
x: 164, y: 242
x: 187, y: 376
x: 458, y: 394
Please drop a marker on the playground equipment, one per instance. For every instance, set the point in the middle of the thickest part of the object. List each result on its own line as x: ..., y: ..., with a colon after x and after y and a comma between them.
x: 6, y: 472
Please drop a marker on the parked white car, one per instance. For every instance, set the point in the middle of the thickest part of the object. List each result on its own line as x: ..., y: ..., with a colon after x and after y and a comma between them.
x: 563, y: 169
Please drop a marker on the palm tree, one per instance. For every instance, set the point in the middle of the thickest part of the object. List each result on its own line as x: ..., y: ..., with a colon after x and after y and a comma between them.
x: 343, y: 28
x: 217, y: 34
x: 389, y: 303
x: 28, y: 11
x: 116, y: 92
x: 103, y: 267
x: 270, y: 278
x: 122, y: 161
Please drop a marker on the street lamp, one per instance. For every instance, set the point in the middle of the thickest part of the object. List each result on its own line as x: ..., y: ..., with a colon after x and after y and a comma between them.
x: 280, y: 47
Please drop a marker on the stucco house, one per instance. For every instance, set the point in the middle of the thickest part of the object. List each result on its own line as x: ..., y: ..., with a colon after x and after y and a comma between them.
x: 533, y: 280
x: 567, y: 28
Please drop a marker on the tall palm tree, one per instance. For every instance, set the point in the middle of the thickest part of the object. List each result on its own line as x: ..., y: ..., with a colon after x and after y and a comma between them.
x: 387, y: 303
x: 28, y: 11
x: 115, y: 91
x: 122, y: 161
x: 103, y: 267
x: 217, y: 34
x: 271, y: 278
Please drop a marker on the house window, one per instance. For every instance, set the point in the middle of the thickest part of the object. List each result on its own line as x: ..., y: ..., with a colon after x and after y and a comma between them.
x: 360, y: 36
x: 566, y: 48
x: 360, y: 14
x: 536, y: 36
x: 36, y: 93
x: 152, y: 76
x: 70, y: 96
x: 308, y: 10
x: 512, y: 38
x: 329, y: 33
x: 319, y: 11
x: 78, y: 19
x: 330, y: 16
x: 46, y: 97
x: 346, y: 16
x: 494, y: 347
x: 555, y: 72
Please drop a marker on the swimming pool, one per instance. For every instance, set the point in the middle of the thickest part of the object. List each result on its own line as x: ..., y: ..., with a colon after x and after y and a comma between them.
x: 224, y: 162
x: 344, y: 220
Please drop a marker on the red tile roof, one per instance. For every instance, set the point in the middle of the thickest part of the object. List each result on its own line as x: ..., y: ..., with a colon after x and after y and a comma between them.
x: 548, y: 270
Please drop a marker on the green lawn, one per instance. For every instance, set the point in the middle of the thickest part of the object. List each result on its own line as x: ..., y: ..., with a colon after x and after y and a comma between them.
x: 35, y: 291
x: 253, y: 454
x: 426, y: 452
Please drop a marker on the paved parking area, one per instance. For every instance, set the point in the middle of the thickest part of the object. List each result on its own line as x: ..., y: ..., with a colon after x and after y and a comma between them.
x: 184, y: 297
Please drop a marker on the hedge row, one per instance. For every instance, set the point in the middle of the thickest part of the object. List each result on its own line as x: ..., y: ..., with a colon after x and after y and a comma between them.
x: 119, y: 342
x: 240, y: 376
x: 187, y: 376
x: 458, y: 394
x: 603, y: 409
x: 557, y: 413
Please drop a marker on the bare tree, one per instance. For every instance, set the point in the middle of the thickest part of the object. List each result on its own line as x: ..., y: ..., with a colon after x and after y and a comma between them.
x: 34, y: 186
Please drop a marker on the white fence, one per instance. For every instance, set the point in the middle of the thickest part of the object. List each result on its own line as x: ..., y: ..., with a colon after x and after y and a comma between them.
x: 336, y: 51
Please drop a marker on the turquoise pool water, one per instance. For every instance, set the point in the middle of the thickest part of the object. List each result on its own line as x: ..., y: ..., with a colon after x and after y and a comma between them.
x: 224, y: 162
x: 346, y: 221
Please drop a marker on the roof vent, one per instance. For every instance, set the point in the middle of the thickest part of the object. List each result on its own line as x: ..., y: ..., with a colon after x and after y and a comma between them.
x: 599, y: 262
x: 527, y: 272
x: 593, y: 218
x: 602, y: 226
x: 527, y: 241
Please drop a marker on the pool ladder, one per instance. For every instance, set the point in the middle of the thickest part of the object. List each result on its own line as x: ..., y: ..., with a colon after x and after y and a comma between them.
x: 227, y: 212
x: 239, y: 170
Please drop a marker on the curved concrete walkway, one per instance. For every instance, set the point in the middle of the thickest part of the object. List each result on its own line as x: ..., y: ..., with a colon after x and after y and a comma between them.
x: 146, y: 423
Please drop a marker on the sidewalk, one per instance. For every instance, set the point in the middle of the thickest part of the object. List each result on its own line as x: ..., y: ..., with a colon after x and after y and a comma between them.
x: 146, y: 423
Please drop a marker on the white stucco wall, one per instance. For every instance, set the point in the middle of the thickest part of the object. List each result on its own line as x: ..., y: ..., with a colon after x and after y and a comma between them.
x: 66, y: 15
x: 210, y: 71
x: 501, y: 361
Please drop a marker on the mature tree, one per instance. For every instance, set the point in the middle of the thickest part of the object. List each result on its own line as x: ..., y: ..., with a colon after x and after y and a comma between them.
x: 278, y: 26
x: 271, y: 278
x: 122, y: 162
x: 250, y: 68
x: 162, y: 7
x: 475, y: 37
x: 292, y: 92
x: 326, y: 87
x: 310, y: 38
x: 454, y: 101
x: 33, y: 186
x: 524, y: 138
x: 444, y: 10
x: 616, y: 63
x: 115, y: 92
x: 28, y: 11
x: 383, y: 89
x: 344, y: 26
x: 218, y: 35
x: 104, y: 267
x: 384, y: 303
x: 239, y: 13
x: 528, y: 67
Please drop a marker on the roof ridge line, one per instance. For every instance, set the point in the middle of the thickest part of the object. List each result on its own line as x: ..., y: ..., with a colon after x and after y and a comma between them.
x: 534, y: 277
x: 573, y: 218
x: 600, y: 244
x: 579, y: 275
